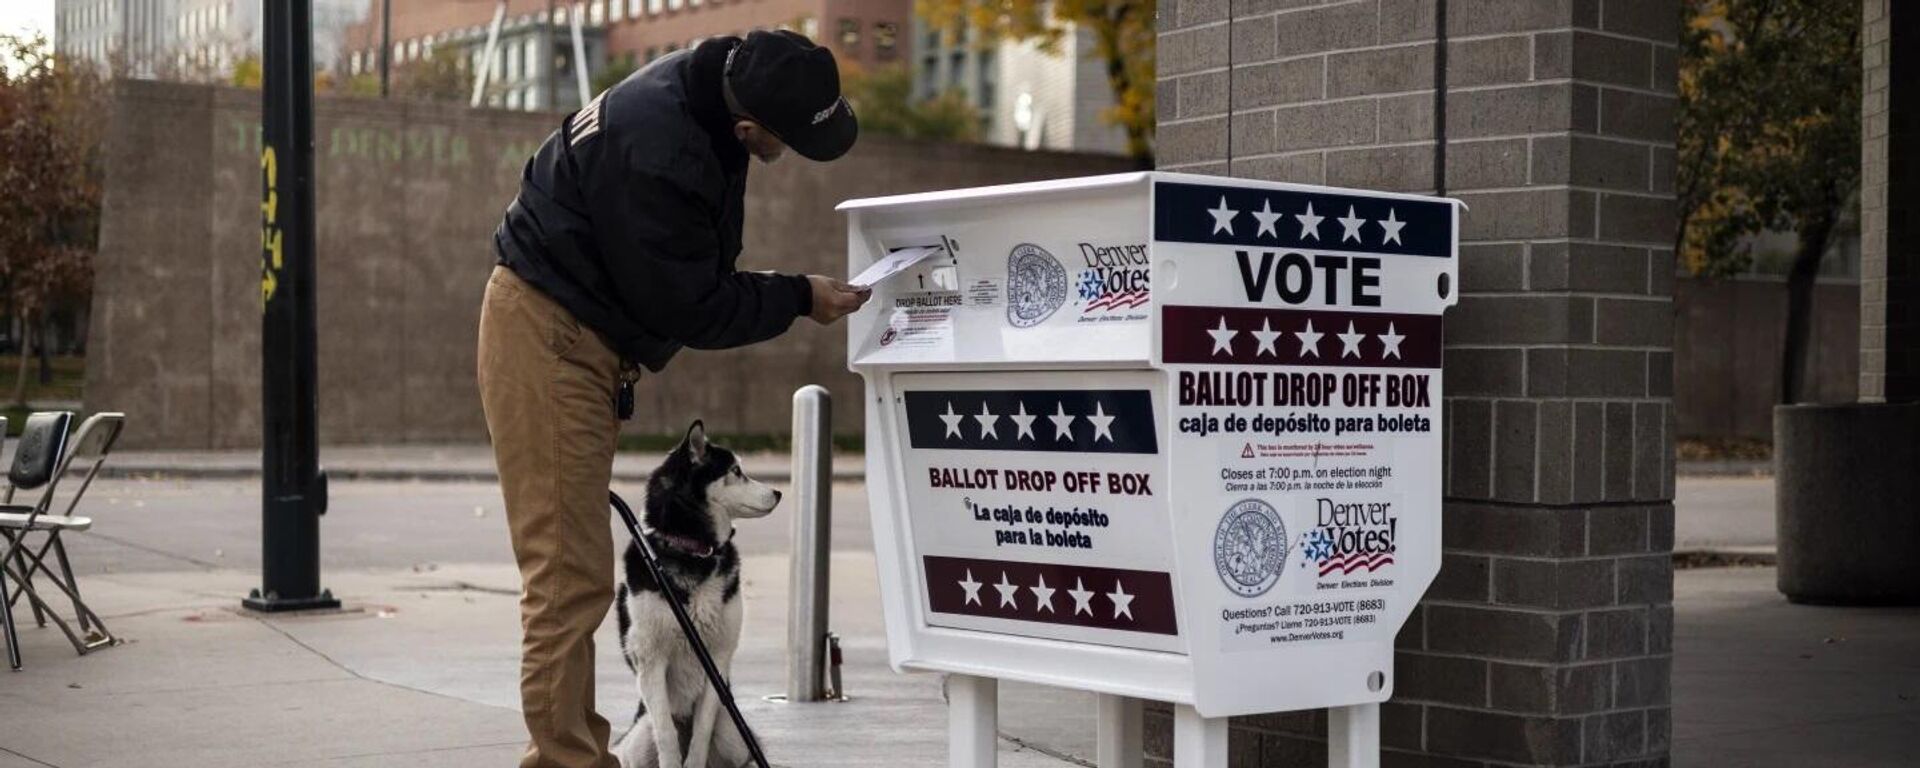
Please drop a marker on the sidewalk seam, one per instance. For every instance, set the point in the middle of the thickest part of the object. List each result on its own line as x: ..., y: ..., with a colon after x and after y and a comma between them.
x: 356, y: 673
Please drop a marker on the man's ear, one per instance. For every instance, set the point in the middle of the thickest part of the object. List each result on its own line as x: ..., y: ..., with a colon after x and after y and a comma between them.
x: 696, y: 442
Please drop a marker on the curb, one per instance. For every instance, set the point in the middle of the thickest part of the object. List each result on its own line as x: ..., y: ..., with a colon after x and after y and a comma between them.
x: 1725, y: 468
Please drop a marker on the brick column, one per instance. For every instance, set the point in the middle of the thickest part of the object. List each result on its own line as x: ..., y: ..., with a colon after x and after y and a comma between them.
x: 1889, y: 200
x: 1546, y: 640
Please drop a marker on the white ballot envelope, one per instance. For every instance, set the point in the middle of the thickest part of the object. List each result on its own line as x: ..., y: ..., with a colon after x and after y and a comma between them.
x: 894, y: 263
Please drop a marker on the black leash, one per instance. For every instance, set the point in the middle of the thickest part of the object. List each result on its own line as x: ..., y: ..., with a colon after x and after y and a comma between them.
x: 675, y: 602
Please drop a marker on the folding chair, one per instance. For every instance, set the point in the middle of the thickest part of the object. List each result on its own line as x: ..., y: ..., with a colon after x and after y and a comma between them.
x: 41, y: 459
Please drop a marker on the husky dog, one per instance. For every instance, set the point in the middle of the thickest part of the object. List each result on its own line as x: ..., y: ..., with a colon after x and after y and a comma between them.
x: 692, y: 501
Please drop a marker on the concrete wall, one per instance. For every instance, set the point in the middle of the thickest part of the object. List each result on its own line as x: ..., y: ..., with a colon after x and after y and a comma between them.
x: 1547, y: 638
x: 1726, y: 353
x: 407, y: 199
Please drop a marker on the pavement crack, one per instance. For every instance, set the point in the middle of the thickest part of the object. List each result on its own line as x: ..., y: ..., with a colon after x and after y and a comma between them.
x: 1045, y: 750
x: 464, y: 586
x: 28, y: 758
x: 154, y: 551
x: 356, y: 673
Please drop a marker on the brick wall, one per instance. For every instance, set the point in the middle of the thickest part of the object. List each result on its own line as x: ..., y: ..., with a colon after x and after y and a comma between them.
x: 1889, y: 197
x: 1546, y: 640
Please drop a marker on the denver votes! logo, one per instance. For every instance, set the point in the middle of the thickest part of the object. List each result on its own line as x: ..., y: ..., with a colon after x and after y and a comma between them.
x: 1036, y: 285
x: 1250, y: 547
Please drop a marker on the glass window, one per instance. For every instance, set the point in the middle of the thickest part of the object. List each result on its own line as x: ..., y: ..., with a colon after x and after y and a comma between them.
x: 513, y: 61
x: 810, y: 27
x: 957, y: 69
x: 885, y: 37
x: 985, y: 66
x: 532, y: 55
x: 513, y: 99
x: 849, y: 33
x: 597, y: 12
x: 674, y: 5
x: 655, y: 6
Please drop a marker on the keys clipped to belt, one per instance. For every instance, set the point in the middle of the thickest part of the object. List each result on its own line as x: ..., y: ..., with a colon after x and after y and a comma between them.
x: 624, y: 400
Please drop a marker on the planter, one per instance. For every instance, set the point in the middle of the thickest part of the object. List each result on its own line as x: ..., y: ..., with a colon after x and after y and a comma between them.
x: 1848, y: 501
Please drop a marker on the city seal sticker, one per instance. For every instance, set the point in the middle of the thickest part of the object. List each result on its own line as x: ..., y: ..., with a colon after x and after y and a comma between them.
x: 1036, y: 285
x: 1250, y: 547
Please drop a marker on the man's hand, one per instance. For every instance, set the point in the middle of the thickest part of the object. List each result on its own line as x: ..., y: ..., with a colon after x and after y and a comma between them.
x: 834, y: 299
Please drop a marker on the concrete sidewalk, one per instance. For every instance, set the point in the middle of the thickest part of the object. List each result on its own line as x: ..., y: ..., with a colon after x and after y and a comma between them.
x: 421, y: 670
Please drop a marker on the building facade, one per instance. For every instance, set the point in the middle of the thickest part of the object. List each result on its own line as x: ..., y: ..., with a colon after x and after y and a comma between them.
x: 1027, y: 97
x: 183, y: 39
x: 864, y: 33
x: 533, y: 64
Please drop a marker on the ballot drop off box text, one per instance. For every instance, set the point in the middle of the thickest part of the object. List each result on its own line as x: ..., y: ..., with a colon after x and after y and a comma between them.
x: 1156, y: 436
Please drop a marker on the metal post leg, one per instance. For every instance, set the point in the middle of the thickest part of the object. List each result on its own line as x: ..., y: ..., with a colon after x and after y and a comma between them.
x: 1117, y: 738
x: 973, y: 714
x: 1353, y: 736
x: 1198, y: 742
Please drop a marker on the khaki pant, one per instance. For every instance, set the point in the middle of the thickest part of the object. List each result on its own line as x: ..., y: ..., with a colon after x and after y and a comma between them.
x: 548, y: 387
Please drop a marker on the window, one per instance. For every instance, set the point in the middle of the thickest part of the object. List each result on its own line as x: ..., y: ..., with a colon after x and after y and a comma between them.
x: 929, y: 76
x: 810, y: 27
x: 616, y: 10
x: 849, y: 33
x: 513, y: 99
x: 532, y: 55
x: 652, y: 53
x: 957, y: 69
x: 986, y: 69
x: 513, y: 61
x: 655, y: 6
x: 674, y: 5
x: 597, y: 13
x: 885, y: 37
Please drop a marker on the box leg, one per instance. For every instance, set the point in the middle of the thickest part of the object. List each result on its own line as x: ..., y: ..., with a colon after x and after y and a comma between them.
x: 1117, y: 740
x: 973, y: 713
x: 1198, y: 742
x: 1353, y: 736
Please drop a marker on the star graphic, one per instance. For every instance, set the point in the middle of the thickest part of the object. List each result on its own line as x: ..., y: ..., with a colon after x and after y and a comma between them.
x: 1062, y: 423
x: 1391, y: 341
x: 1266, y: 336
x: 1122, y: 602
x: 987, y: 419
x: 1350, y: 341
x: 1043, y: 594
x: 1223, y: 217
x: 1309, y: 223
x: 1007, y: 590
x: 1023, y: 421
x: 972, y: 587
x: 1392, y: 226
x: 1352, y: 224
x: 1266, y: 217
x: 1082, y: 598
x: 1222, y: 337
x: 1102, y: 424
x: 1309, y: 340
x: 952, y: 419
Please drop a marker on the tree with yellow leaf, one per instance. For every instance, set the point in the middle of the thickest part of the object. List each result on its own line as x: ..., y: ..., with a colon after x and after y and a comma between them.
x: 1769, y: 140
x: 1123, y: 36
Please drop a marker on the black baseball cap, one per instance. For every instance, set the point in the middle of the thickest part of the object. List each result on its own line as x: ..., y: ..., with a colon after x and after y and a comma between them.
x: 784, y: 82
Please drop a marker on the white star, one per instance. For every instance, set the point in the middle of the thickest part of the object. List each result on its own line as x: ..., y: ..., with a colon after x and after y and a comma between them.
x: 1350, y: 341
x: 1309, y: 340
x: 1392, y: 226
x: 1223, y: 217
x: 1222, y: 337
x: 972, y: 587
x: 1266, y: 217
x: 1007, y: 590
x: 1082, y: 598
x: 1043, y: 594
x: 952, y: 419
x: 1122, y: 602
x: 1309, y: 223
x: 1023, y: 422
x: 1102, y: 424
x: 1352, y: 224
x: 1266, y: 336
x: 1391, y: 341
x: 987, y: 420
x: 1062, y: 423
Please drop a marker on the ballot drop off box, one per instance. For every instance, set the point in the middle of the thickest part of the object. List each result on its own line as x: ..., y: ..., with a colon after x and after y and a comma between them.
x: 1159, y: 437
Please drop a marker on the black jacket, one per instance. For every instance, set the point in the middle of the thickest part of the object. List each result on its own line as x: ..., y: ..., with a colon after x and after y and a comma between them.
x: 630, y: 214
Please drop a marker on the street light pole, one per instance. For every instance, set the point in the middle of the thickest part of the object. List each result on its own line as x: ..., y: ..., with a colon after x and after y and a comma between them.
x: 386, y: 43
x: 293, y: 489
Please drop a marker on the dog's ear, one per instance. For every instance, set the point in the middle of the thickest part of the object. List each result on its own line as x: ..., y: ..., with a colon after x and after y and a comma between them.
x: 696, y: 442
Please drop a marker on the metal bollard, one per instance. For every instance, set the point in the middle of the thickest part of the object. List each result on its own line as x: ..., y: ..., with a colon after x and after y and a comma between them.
x: 812, y: 521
